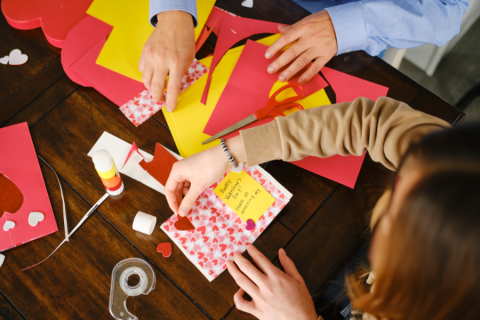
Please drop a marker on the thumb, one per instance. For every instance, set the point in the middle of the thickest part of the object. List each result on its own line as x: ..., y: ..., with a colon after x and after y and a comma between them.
x: 289, y: 266
x: 189, y: 200
x: 283, y: 29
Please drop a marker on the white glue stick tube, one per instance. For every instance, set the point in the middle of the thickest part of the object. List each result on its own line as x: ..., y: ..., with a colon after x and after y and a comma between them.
x: 144, y: 223
x: 108, y: 172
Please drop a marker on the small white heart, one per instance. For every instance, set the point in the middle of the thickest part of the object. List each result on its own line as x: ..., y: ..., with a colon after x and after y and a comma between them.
x: 34, y: 218
x: 8, y: 225
x: 2, y: 258
x: 4, y: 60
x: 17, y: 58
x: 248, y: 3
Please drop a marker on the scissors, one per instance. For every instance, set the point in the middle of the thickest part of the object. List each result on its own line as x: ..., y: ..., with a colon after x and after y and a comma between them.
x: 273, y: 109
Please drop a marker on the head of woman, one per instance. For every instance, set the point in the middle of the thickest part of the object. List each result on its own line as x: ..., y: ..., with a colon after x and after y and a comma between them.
x: 425, y: 250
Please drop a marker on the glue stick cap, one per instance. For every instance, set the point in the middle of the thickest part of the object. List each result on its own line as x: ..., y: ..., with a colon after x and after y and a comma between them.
x: 103, y: 160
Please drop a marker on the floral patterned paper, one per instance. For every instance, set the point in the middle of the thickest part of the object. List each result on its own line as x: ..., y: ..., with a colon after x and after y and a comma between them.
x: 142, y: 106
x: 219, y: 232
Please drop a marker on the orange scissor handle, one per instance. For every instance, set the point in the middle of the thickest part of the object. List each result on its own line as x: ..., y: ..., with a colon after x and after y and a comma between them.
x: 276, y: 108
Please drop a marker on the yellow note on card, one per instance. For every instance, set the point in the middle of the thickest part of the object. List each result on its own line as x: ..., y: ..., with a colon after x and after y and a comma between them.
x: 244, y: 195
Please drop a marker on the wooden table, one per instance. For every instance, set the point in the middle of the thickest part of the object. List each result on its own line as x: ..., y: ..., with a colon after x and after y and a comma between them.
x: 320, y: 227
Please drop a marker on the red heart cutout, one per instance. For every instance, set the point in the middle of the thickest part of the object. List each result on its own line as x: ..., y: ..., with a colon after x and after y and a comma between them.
x: 184, y: 224
x: 165, y: 248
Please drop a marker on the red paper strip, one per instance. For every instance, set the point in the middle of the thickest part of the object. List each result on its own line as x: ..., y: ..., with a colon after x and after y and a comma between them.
x: 248, y: 90
x: 132, y: 150
x: 55, y: 17
x: 233, y: 29
x: 161, y: 165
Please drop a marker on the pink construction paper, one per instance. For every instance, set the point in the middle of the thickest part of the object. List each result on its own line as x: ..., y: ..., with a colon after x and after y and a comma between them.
x: 132, y: 150
x: 219, y: 233
x: 348, y: 88
x: 232, y: 30
x: 248, y: 90
x: 142, y: 106
x: 20, y: 164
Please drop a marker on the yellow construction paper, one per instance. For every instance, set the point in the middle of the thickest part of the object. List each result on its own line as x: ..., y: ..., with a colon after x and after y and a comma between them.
x: 190, y: 117
x: 244, y: 195
x: 131, y: 29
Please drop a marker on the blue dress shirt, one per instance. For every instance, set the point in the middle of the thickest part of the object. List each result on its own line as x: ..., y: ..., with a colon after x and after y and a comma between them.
x: 371, y: 25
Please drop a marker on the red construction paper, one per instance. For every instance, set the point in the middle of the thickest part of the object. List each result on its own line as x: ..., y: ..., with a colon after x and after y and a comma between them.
x: 248, y: 90
x: 232, y: 30
x: 161, y: 165
x: 82, y: 47
x: 132, y: 150
x: 348, y: 88
x: 165, y: 248
x: 56, y: 17
x: 20, y: 164
x: 11, y: 198
x: 215, y: 19
x: 183, y: 224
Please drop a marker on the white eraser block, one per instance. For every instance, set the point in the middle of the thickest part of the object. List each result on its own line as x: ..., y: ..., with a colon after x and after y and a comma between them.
x: 144, y: 222
x: 2, y: 258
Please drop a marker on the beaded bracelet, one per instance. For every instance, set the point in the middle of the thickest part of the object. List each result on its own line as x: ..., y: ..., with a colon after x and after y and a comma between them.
x: 229, y: 156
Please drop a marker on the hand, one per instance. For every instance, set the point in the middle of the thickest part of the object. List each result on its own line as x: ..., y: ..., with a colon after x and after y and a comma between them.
x: 275, y: 294
x: 193, y: 175
x: 315, y: 39
x: 170, y: 50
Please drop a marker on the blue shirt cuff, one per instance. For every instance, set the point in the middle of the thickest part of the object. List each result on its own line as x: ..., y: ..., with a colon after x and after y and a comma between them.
x: 350, y: 27
x: 158, y: 6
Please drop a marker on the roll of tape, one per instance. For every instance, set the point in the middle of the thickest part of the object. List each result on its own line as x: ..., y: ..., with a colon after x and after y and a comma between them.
x: 144, y: 222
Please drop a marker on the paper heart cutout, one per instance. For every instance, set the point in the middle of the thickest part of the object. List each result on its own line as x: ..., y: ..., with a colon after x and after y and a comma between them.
x: 165, y: 248
x: 2, y: 258
x: 184, y: 224
x: 4, y: 60
x: 250, y: 225
x: 34, y: 218
x: 248, y: 3
x: 16, y: 57
x: 8, y: 225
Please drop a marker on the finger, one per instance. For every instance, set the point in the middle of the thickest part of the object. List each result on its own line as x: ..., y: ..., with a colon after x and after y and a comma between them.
x: 283, y: 29
x: 261, y: 261
x: 242, y: 304
x: 170, y: 192
x: 249, y: 270
x: 141, y: 63
x: 289, y: 266
x: 173, y: 89
x: 158, y: 84
x: 316, y: 66
x: 242, y: 281
x: 179, y: 191
x: 147, y: 75
x: 297, y: 65
x: 283, y: 41
x: 189, y: 200
x: 186, y: 187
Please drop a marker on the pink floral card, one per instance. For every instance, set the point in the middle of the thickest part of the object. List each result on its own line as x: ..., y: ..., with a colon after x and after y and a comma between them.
x: 219, y: 233
x: 141, y: 107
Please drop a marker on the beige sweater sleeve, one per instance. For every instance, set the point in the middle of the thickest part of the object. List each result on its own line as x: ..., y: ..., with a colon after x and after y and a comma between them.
x: 385, y: 128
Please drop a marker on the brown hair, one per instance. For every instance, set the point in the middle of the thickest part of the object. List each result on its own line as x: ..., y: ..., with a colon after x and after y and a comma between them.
x: 429, y: 266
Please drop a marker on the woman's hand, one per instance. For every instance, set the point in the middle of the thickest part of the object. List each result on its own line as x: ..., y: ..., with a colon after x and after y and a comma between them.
x: 193, y: 175
x: 275, y: 294
x: 315, y: 39
x: 170, y: 50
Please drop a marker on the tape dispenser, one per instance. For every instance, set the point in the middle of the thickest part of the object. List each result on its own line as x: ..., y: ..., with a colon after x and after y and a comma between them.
x: 121, y: 289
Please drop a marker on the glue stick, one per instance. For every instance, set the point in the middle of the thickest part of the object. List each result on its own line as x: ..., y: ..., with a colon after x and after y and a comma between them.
x: 108, y: 172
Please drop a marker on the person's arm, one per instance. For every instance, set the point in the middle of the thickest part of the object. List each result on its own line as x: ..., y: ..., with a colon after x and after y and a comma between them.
x: 384, y: 128
x: 159, y: 6
x: 375, y: 25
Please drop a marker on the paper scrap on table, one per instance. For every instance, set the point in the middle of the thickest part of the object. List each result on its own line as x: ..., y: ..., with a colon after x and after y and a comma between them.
x: 219, y: 232
x: 244, y: 195
x: 119, y: 150
x: 249, y: 88
x: 161, y: 165
x: 190, y: 117
x: 131, y: 29
x: 19, y: 163
x: 141, y: 107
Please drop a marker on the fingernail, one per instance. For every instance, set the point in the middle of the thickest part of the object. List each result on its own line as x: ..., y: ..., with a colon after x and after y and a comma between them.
x: 301, y: 80
x: 169, y: 109
x: 271, y: 69
x: 282, y: 252
x: 183, y: 212
x: 268, y: 54
x: 282, y: 77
